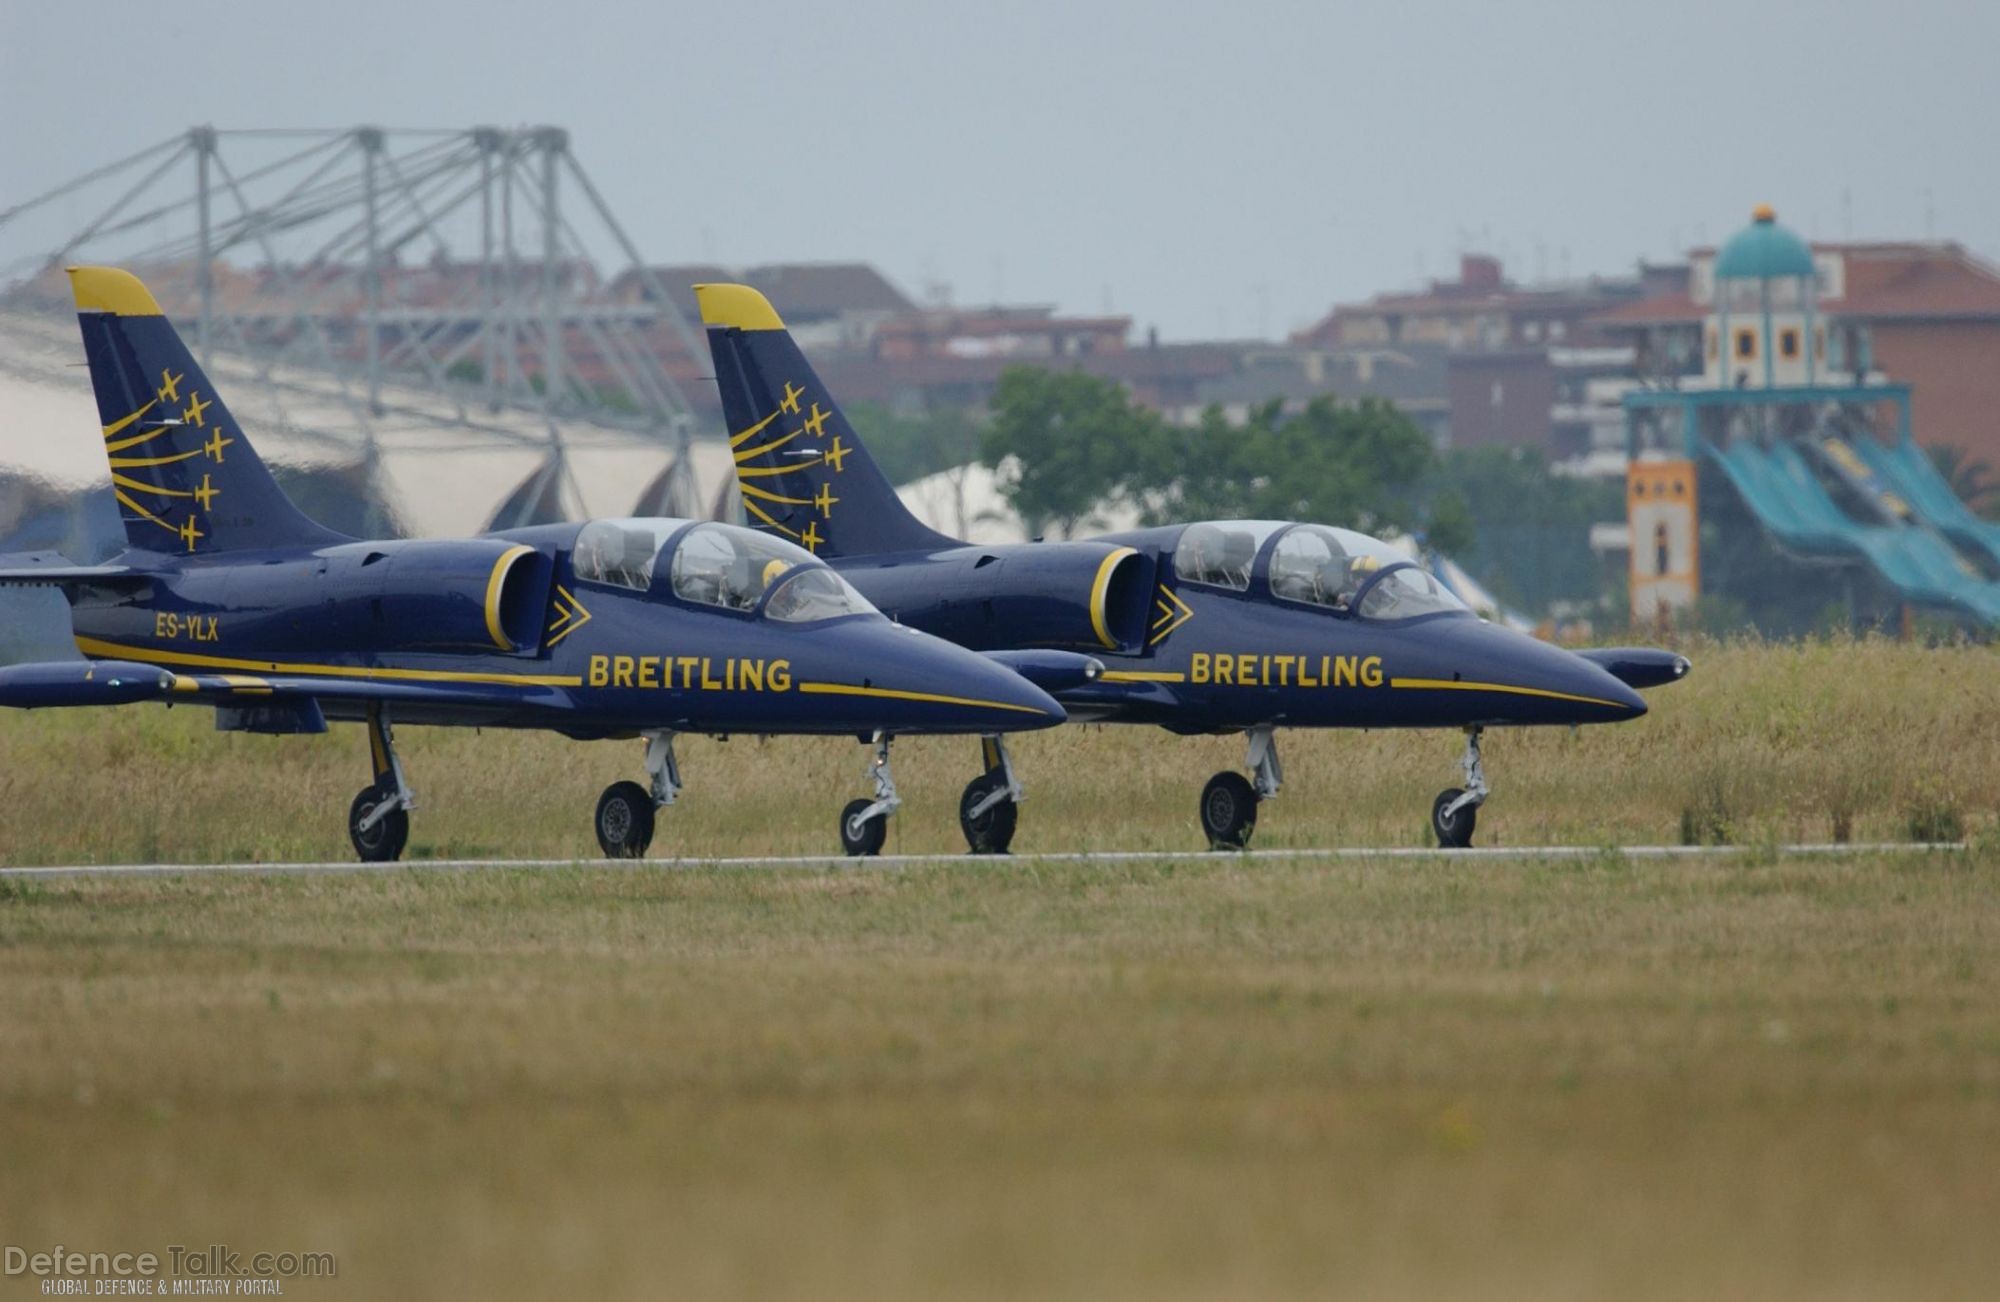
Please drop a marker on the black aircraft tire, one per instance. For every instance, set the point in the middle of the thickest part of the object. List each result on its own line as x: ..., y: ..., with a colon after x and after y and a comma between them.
x: 869, y: 840
x: 624, y: 821
x: 1455, y: 833
x: 993, y: 831
x: 1228, y: 811
x: 384, y: 842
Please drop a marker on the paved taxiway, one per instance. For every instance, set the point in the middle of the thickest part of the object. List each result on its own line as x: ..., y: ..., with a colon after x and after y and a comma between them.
x: 1489, y: 853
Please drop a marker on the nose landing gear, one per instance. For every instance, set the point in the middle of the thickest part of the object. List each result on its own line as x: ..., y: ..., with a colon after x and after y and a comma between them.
x: 625, y: 812
x: 378, y: 822
x: 991, y: 804
x: 864, y: 824
x: 1229, y: 801
x: 1455, y: 812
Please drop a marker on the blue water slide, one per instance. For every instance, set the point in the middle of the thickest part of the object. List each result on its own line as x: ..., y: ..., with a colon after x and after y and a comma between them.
x: 1787, y: 497
x: 1910, y: 470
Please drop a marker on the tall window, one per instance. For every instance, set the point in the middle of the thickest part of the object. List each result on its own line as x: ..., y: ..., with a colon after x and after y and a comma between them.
x: 1746, y: 344
x: 1788, y: 343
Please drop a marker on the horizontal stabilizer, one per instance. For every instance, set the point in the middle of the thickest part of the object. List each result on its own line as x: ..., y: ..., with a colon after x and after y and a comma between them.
x: 35, y: 568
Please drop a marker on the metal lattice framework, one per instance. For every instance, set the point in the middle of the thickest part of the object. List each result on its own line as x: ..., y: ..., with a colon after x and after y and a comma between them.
x: 415, y: 276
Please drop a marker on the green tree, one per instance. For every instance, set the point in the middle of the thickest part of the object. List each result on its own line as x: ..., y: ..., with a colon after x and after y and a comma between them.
x: 1354, y: 464
x: 910, y: 447
x: 1530, y: 529
x: 1066, y: 443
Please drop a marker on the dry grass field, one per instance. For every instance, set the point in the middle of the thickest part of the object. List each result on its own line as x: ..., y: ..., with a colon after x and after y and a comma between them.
x: 1749, y: 1076
x: 1610, y: 1078
x: 1842, y: 740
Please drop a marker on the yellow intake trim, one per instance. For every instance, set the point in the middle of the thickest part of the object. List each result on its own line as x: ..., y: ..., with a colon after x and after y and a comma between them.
x: 495, y: 582
x: 1100, y: 588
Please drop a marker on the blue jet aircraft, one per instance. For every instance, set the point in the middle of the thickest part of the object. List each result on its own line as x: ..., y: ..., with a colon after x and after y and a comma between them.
x: 1218, y: 627
x: 228, y: 596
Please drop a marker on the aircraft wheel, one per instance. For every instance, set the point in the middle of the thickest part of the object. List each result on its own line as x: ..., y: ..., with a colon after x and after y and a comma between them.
x: 868, y: 837
x: 382, y: 843
x: 625, y: 821
x: 1228, y: 811
x: 1455, y: 832
x: 993, y: 831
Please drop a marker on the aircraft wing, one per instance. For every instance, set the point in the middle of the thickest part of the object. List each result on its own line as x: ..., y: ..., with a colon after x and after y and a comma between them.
x: 38, y: 568
x: 116, y: 682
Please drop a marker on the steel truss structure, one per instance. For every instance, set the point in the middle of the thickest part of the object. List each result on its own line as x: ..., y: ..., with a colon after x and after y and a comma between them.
x: 471, y: 277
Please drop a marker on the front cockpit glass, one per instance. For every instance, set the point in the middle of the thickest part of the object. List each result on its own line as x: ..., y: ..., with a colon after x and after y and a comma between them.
x: 620, y: 552
x: 723, y: 565
x: 815, y: 593
x: 1221, y: 552
x: 1322, y: 566
x: 1403, y: 591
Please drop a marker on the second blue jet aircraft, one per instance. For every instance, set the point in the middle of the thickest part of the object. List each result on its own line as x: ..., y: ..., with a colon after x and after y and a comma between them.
x: 1222, y: 626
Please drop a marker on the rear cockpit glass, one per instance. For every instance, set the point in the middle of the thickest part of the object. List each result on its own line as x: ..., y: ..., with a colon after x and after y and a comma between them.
x: 1221, y: 552
x: 1405, y: 591
x: 620, y: 552
x: 815, y: 593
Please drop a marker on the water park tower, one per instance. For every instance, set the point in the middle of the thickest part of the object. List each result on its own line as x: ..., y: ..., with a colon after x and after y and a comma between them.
x: 1792, y: 462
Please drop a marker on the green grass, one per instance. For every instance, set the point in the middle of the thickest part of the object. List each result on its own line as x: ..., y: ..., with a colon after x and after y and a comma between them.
x: 1858, y: 740
x: 1585, y: 1079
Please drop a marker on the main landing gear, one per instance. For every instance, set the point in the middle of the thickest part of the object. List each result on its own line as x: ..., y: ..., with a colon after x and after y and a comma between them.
x: 864, y: 824
x: 1456, y: 810
x: 1229, y: 801
x: 991, y: 804
x: 378, y: 822
x: 625, y: 811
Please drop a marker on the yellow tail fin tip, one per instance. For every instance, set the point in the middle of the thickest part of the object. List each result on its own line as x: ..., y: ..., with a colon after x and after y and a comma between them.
x: 110, y: 289
x: 736, y: 305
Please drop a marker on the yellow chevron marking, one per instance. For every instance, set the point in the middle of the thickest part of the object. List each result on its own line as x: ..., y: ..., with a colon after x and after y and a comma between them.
x: 895, y: 694
x: 127, y: 482
x: 751, y: 454
x: 117, y: 425
x: 1444, y: 685
x: 154, y: 655
x: 128, y: 463
x: 765, y: 516
x: 571, y: 607
x: 738, y: 440
x: 1177, y: 613
x: 756, y: 492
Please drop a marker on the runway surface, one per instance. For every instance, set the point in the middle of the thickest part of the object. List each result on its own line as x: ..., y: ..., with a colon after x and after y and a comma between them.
x: 997, y: 863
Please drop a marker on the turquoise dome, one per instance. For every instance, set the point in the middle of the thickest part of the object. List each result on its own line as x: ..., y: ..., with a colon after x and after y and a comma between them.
x: 1764, y: 249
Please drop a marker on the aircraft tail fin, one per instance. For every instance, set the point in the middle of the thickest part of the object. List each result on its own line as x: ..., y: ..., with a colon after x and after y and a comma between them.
x: 802, y: 470
x: 184, y: 473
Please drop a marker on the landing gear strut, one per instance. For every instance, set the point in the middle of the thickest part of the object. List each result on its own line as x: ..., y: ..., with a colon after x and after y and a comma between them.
x: 1455, y: 812
x: 1229, y: 801
x: 992, y: 801
x: 378, y: 822
x: 625, y: 811
x: 864, y: 824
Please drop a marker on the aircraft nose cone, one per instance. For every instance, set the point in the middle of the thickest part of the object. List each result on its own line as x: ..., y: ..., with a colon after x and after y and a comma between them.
x: 897, y: 679
x: 1549, y: 684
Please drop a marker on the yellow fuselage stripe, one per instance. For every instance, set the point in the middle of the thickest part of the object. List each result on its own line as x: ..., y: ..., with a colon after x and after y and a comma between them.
x: 1141, y: 676
x: 849, y: 689
x: 153, y: 655
x: 1440, y: 684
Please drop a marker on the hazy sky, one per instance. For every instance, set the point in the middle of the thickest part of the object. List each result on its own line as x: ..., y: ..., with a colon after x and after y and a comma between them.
x: 1228, y: 169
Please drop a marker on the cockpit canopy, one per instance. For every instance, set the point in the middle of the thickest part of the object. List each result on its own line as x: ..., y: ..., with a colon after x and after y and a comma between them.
x: 1315, y: 565
x: 716, y: 565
